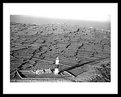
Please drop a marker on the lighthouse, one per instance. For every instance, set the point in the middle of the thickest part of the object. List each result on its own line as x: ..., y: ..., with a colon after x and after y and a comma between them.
x: 56, y: 71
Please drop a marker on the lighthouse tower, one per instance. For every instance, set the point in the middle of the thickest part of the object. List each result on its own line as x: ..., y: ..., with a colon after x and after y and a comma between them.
x: 56, y: 71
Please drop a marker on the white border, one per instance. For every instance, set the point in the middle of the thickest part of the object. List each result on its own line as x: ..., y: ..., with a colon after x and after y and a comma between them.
x: 50, y: 88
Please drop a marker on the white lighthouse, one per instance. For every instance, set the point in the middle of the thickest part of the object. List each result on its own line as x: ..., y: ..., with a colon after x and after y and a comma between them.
x: 56, y: 71
x: 57, y: 61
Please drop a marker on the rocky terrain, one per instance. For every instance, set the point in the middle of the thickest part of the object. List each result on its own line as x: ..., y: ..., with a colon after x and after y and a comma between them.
x: 86, y: 50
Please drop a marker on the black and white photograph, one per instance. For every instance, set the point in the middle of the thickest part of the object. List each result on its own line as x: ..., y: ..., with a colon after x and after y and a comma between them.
x: 60, y: 44
x: 59, y: 50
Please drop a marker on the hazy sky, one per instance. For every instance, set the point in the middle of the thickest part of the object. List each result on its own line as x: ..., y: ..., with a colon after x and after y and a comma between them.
x: 77, y: 11
x: 42, y: 20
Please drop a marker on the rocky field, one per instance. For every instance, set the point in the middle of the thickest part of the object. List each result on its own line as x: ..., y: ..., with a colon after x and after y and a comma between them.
x: 37, y: 46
